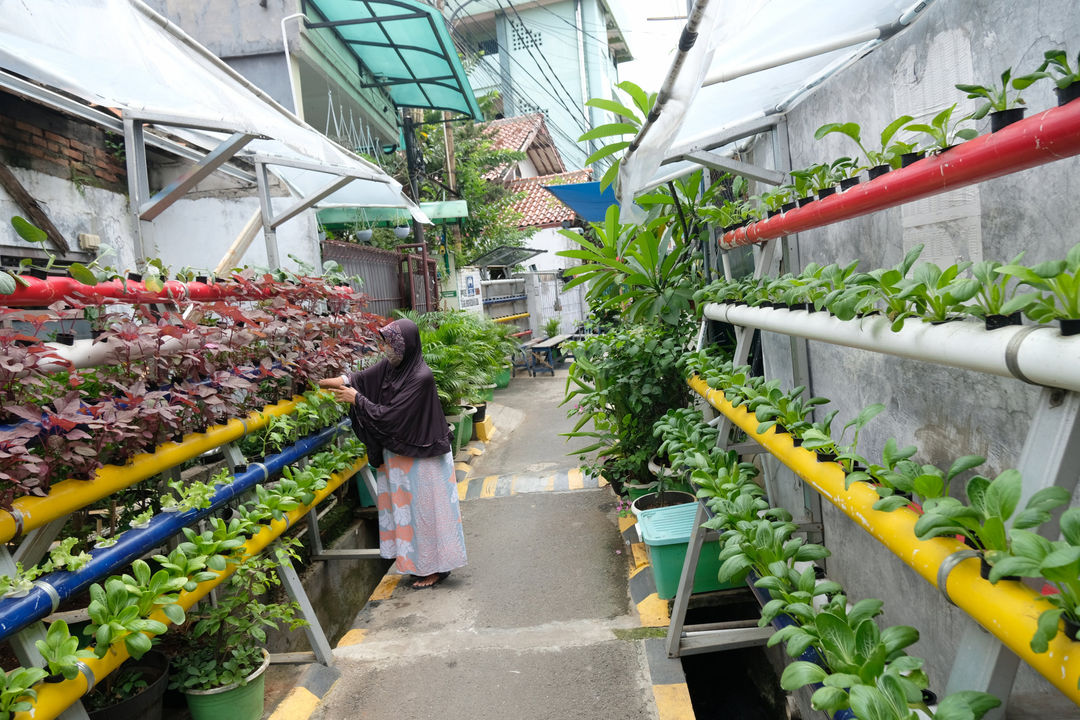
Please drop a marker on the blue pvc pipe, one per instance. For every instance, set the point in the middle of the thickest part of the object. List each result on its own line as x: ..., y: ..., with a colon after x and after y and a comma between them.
x: 810, y: 654
x: 17, y: 613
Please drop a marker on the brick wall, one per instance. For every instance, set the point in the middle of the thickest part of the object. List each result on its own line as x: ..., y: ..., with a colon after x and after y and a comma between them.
x: 50, y: 142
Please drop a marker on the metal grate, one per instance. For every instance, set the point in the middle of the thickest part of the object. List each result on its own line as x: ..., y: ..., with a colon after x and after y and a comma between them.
x: 379, y: 269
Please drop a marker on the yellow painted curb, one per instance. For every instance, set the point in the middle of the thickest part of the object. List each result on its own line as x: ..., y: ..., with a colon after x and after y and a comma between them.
x: 654, y: 612
x: 488, y: 488
x: 297, y: 705
x: 576, y: 478
x: 385, y: 588
x: 626, y: 522
x: 673, y: 702
x: 639, y: 554
x: 461, y: 466
x: 462, y: 489
x: 353, y: 637
x: 474, y: 451
x: 485, y: 430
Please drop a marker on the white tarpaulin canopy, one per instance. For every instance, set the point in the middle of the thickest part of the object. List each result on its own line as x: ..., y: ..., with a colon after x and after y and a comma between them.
x: 121, y: 54
x: 734, y: 40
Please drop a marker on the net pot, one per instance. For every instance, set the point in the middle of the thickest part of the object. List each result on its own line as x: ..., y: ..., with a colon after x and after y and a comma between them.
x: 232, y: 702
x: 1005, y: 118
x: 1068, y: 94
x: 877, y: 171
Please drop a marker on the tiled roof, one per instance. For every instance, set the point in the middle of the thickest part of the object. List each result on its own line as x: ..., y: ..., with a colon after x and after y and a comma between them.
x: 528, y: 134
x: 539, y: 208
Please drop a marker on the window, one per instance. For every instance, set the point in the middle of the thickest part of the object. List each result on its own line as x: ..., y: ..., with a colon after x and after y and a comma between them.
x: 525, y: 38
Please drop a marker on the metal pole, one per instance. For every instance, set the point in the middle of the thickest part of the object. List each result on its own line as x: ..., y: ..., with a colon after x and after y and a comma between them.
x: 412, y: 161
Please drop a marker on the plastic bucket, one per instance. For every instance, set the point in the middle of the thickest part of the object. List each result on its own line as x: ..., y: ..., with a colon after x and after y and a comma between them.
x: 232, y: 702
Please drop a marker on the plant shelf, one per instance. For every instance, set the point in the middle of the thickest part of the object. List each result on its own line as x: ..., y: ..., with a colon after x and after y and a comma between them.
x: 1008, y: 610
x: 1051, y: 135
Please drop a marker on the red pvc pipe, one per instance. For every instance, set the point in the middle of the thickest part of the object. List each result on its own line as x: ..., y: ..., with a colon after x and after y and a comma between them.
x: 1051, y: 135
x: 45, y: 292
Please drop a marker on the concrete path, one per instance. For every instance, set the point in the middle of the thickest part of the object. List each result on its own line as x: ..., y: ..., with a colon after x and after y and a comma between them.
x: 539, y: 624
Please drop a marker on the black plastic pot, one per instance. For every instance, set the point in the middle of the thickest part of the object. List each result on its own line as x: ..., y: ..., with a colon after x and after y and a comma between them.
x: 929, y: 697
x: 481, y: 412
x: 54, y: 678
x: 825, y: 192
x: 789, y: 206
x: 1067, y: 95
x: 877, y: 171
x: 1071, y: 628
x: 65, y: 338
x: 38, y: 273
x: 805, y: 200
x: 772, y: 213
x: 136, y: 277
x: 201, y: 279
x: 908, y: 158
x: 145, y: 705
x: 993, y: 322
x: 1069, y: 326
x: 848, y: 183
x: 1004, y: 118
x: 984, y: 571
x: 800, y: 306
x: 826, y: 457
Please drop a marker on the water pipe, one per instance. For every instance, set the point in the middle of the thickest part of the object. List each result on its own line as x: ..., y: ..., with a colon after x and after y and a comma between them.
x: 1037, y: 355
x: 54, y: 698
x: 31, y: 512
x: 53, y: 589
x: 1042, y: 138
x: 1009, y: 610
x: 41, y: 293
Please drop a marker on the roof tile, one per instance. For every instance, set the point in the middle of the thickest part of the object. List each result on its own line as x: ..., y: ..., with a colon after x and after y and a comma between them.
x: 539, y: 208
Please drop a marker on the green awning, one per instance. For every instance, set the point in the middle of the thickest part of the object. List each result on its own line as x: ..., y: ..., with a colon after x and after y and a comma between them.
x: 405, y: 45
x: 439, y: 213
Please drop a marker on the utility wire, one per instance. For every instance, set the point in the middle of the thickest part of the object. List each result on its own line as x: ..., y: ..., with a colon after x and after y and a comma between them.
x: 584, y: 127
x: 519, y: 29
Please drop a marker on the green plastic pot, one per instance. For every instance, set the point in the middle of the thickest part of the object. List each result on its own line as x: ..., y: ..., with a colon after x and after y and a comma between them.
x: 502, y: 378
x: 232, y: 702
x: 636, y: 490
x: 462, y: 423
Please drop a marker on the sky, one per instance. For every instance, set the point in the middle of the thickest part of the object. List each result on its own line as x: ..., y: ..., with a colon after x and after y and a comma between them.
x: 653, y: 41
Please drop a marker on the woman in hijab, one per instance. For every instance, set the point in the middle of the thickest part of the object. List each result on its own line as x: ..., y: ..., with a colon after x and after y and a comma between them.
x: 396, y: 413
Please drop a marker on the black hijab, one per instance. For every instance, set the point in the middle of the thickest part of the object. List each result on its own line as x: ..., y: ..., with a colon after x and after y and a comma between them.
x: 397, y: 406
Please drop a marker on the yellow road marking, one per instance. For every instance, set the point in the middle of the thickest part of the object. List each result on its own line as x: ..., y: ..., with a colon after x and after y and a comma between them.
x: 576, y: 478
x: 625, y: 521
x: 462, y: 489
x: 353, y: 637
x: 550, y: 484
x: 297, y: 705
x: 385, y: 589
x: 488, y: 490
x: 639, y: 554
x: 673, y: 702
x: 654, y: 612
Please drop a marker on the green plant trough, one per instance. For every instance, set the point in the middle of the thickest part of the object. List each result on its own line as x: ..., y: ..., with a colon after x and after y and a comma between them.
x: 666, y: 532
x: 502, y: 378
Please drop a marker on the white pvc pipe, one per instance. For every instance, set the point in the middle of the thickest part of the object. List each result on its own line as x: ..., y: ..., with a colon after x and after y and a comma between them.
x: 730, y: 73
x: 1040, y: 355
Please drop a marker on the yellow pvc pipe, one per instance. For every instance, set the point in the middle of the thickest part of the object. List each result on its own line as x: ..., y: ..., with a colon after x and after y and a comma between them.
x: 69, y: 495
x: 1009, y: 610
x: 55, y: 698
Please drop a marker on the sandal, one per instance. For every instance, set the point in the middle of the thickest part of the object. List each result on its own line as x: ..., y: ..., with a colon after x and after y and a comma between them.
x: 439, y: 577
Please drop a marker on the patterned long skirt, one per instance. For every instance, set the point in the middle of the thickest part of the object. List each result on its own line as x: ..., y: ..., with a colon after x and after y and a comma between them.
x: 419, y: 514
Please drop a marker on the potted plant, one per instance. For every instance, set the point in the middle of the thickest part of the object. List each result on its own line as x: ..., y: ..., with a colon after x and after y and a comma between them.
x: 221, y: 670
x: 551, y: 326
x: 881, y: 160
x: 61, y: 652
x: 994, y: 301
x: 1066, y: 79
x: 1059, y: 564
x: 1004, y: 108
x: 1061, y: 280
x: 943, y: 132
x: 16, y: 690
x: 938, y: 295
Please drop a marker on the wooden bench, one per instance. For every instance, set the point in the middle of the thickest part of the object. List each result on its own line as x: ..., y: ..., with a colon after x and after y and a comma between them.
x: 543, y: 353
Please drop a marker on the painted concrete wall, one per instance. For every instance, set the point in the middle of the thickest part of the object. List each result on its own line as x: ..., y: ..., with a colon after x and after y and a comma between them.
x: 945, y: 412
x: 550, y: 75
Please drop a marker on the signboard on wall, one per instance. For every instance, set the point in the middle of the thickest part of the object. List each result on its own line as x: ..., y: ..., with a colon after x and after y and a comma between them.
x: 468, y: 292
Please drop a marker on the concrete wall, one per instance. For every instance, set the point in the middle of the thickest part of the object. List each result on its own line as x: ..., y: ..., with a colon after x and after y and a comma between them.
x: 945, y: 412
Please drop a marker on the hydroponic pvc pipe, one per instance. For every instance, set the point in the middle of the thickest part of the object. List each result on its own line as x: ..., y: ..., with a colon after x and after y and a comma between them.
x: 54, y: 698
x: 1009, y: 610
x: 29, y: 512
x: 1039, y: 355
x: 1042, y: 138
x: 53, y: 589
x: 38, y: 292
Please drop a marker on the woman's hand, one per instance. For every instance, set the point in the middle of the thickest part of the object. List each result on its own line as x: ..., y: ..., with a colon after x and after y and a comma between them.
x: 331, y: 383
x: 344, y: 394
